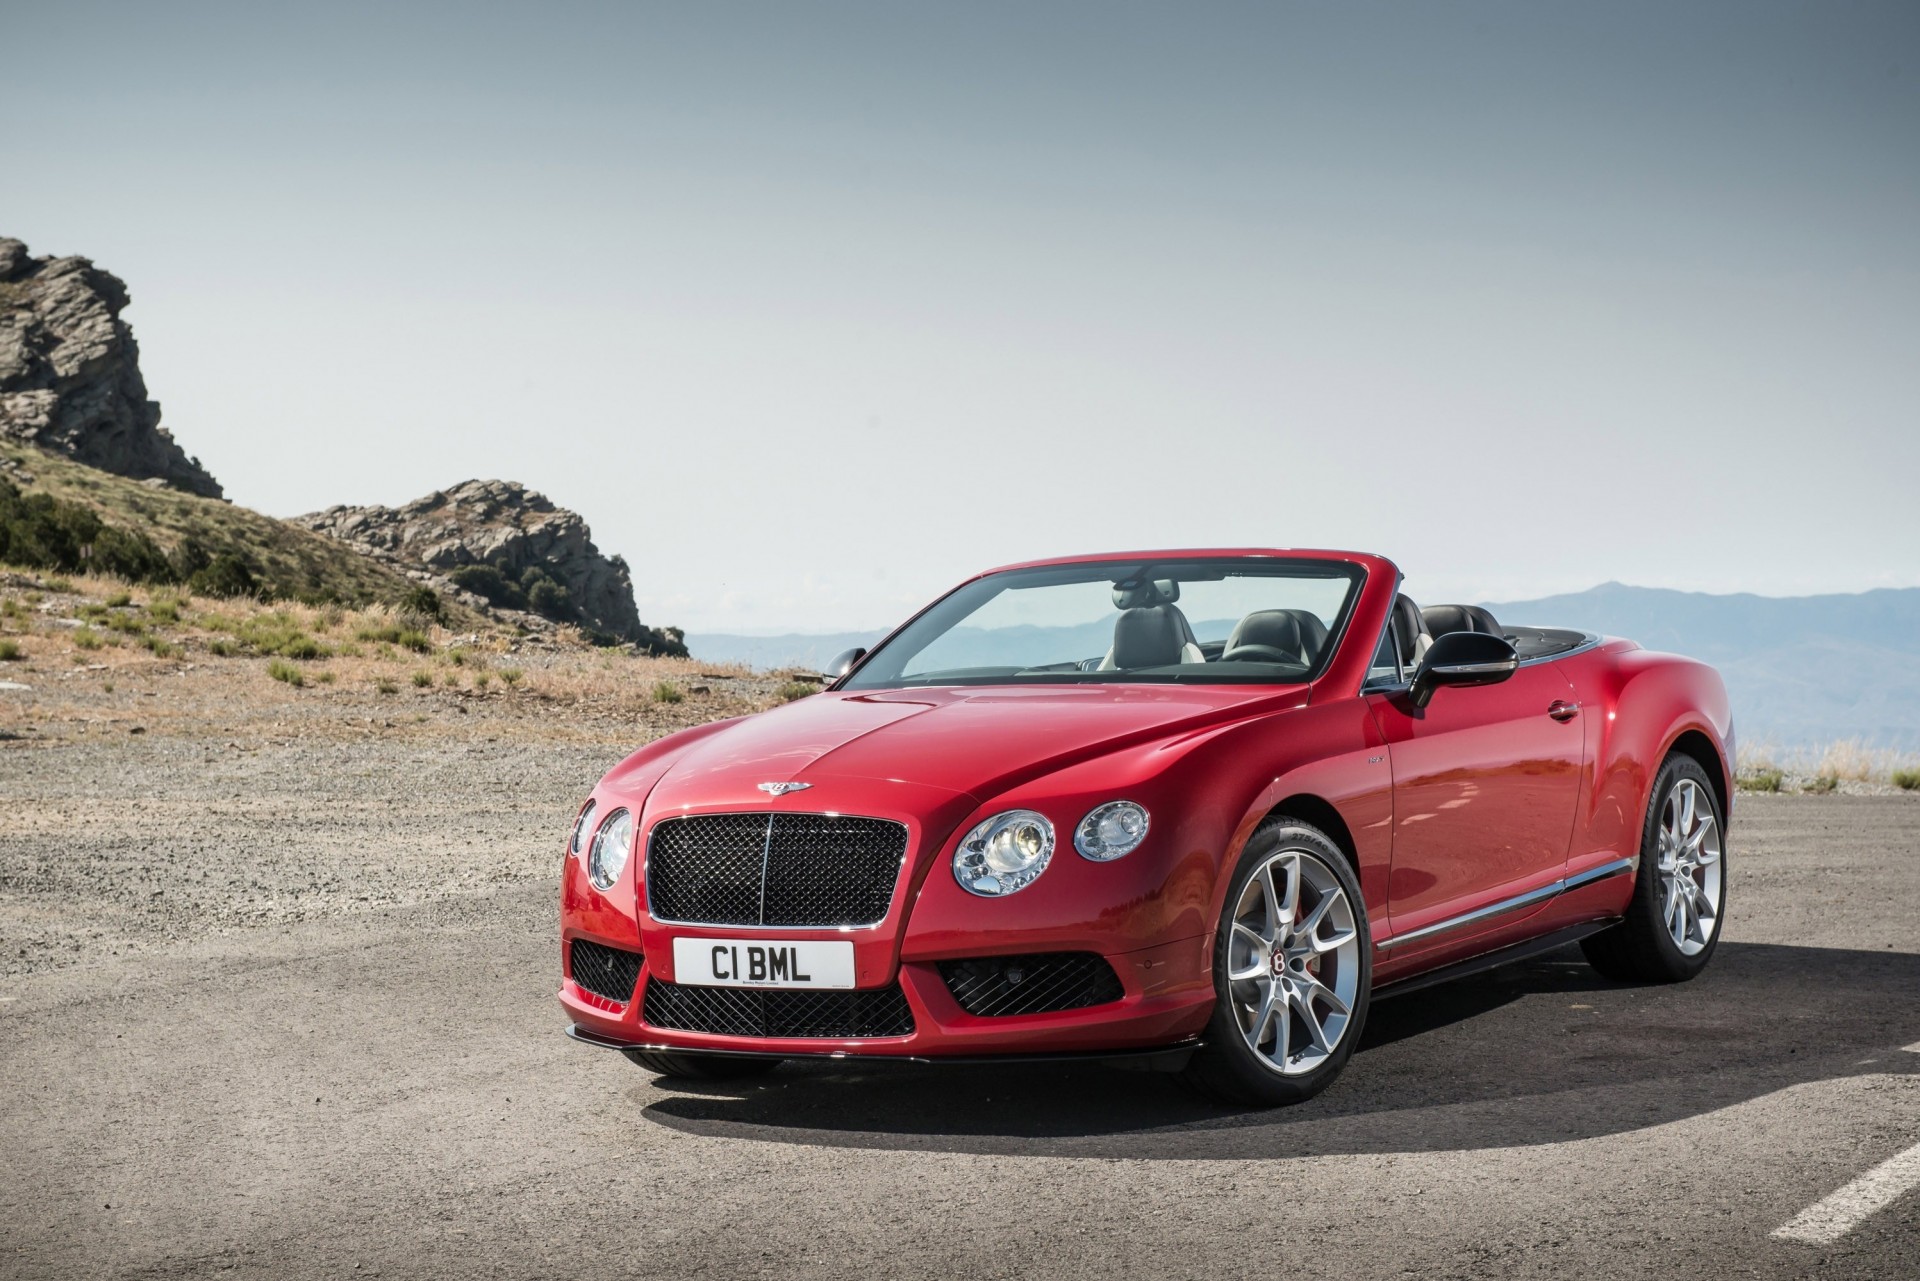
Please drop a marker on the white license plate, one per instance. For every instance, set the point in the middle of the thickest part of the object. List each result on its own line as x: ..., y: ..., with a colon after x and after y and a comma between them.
x: 762, y: 963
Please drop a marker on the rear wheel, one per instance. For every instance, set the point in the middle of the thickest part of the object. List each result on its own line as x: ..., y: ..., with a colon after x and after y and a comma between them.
x: 1680, y: 895
x: 700, y: 1067
x: 1291, y: 970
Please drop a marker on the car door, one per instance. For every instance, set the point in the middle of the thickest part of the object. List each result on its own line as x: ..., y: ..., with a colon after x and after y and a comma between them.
x: 1486, y: 781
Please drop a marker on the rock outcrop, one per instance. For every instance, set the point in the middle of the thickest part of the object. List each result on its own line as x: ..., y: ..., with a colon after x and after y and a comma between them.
x: 508, y: 546
x: 70, y: 372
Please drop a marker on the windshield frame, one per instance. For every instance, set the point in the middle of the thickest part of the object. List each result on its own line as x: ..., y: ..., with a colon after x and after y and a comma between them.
x: 1122, y: 568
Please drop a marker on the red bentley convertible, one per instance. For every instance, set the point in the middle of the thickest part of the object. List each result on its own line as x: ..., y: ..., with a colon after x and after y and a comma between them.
x: 1201, y: 805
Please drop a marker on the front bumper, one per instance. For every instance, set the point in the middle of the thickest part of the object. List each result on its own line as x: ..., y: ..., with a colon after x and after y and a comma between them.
x: 1167, y: 998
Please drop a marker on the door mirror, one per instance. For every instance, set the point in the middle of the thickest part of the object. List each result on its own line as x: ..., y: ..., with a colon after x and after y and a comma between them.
x: 1462, y: 658
x: 843, y: 662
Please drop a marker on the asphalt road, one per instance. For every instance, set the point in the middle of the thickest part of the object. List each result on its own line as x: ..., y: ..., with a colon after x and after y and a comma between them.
x: 390, y: 1093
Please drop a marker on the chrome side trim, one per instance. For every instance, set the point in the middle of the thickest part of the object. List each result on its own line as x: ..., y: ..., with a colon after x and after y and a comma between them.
x: 1592, y: 640
x: 1501, y: 908
x: 1514, y: 904
x: 1601, y: 872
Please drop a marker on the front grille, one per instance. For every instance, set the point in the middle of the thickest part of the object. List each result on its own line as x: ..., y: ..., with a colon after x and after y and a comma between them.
x: 604, y: 971
x: 802, y: 870
x: 1039, y: 984
x: 734, y: 1011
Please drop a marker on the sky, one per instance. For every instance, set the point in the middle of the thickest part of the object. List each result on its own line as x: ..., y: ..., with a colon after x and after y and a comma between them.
x: 813, y: 310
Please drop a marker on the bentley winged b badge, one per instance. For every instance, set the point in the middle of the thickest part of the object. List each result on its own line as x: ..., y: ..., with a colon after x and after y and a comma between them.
x: 781, y: 789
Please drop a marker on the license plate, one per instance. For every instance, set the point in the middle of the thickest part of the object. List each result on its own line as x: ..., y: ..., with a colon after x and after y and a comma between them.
x: 762, y: 963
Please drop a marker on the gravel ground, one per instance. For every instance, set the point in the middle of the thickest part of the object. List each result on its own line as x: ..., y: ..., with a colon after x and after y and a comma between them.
x: 279, y: 1002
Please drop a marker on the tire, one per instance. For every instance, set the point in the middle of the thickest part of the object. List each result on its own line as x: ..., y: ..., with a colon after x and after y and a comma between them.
x: 700, y: 1067
x: 1323, y: 984
x: 1647, y: 946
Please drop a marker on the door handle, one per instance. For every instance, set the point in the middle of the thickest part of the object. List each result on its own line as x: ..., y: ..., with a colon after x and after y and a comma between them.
x: 1562, y: 711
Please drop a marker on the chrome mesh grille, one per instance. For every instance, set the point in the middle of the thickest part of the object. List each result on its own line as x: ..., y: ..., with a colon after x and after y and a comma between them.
x: 736, y: 1011
x: 1043, y: 983
x: 603, y: 971
x: 800, y: 870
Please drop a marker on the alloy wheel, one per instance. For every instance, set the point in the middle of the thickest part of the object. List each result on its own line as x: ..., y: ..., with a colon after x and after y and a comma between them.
x: 1293, y: 962
x: 1689, y: 866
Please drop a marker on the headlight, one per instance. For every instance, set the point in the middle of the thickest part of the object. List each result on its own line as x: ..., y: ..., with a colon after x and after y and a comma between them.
x: 1111, y: 830
x: 1004, y: 854
x: 610, y: 845
x: 581, y: 826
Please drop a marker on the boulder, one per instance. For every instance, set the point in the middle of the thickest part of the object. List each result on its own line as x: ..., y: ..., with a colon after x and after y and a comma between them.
x: 502, y: 526
x: 70, y: 372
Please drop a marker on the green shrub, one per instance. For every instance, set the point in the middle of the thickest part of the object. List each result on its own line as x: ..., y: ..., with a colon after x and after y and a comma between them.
x: 422, y: 680
x: 119, y: 600
x: 423, y: 601
x: 159, y: 646
x: 386, y: 686
x: 387, y: 632
x: 126, y: 623
x: 38, y: 531
x: 511, y: 675
x: 1907, y: 780
x: 57, y: 584
x: 10, y: 651
x: 163, y: 610
x: 224, y: 648
x: 1823, y: 784
x: 325, y: 678
x: 667, y: 692
x: 87, y: 638
x: 1760, y: 780
x: 225, y: 575
x: 480, y: 680
x: 794, y: 690
x: 285, y: 671
x: 418, y: 642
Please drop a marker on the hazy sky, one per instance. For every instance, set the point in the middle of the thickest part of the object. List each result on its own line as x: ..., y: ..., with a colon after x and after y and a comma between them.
x: 813, y: 309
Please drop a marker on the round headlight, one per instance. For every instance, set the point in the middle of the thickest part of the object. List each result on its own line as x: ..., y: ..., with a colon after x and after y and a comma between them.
x: 1111, y: 830
x: 1004, y: 854
x: 581, y: 826
x: 610, y: 846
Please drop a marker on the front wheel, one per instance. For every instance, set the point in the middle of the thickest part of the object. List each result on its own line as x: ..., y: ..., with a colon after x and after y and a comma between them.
x: 1680, y: 896
x: 1292, y: 970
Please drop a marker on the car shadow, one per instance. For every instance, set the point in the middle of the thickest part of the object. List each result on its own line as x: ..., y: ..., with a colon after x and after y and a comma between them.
x: 1539, y: 1052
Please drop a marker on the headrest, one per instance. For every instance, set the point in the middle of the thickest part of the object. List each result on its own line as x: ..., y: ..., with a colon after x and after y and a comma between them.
x: 1441, y: 619
x: 1141, y: 595
x: 1272, y: 628
x: 1407, y: 626
x: 1146, y: 638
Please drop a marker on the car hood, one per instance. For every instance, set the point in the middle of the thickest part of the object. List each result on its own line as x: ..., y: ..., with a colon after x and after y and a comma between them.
x: 974, y: 741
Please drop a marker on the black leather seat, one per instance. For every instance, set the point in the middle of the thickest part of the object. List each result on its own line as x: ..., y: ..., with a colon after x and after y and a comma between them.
x: 1151, y: 631
x: 1441, y: 619
x: 1276, y: 636
x: 1410, y: 630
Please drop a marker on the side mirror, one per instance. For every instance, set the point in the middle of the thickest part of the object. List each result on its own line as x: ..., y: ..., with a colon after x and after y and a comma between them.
x: 1462, y: 658
x: 843, y: 662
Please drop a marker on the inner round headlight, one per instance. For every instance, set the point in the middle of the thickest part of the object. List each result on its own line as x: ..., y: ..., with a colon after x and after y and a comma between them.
x: 610, y: 846
x: 1004, y: 854
x: 1111, y: 830
x: 581, y: 826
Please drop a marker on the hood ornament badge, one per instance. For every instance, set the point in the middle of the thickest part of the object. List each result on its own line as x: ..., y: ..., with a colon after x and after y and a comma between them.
x: 781, y: 789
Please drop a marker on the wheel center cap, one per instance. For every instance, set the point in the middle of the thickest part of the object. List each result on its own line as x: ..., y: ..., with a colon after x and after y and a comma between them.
x: 1278, y: 961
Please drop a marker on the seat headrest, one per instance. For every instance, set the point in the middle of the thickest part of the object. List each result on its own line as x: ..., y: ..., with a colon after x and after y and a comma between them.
x: 1270, y: 628
x: 1407, y: 626
x: 1146, y: 593
x: 1441, y: 619
x: 1147, y: 637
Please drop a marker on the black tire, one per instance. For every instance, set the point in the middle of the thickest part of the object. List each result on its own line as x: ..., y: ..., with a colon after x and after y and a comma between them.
x: 700, y: 1067
x: 1642, y: 949
x: 1226, y: 1068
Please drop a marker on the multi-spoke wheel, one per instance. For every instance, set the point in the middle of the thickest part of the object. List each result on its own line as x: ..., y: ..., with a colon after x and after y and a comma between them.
x: 1679, y: 898
x: 1291, y: 970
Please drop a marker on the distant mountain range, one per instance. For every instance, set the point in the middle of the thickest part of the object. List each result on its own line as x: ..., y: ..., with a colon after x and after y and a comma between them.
x: 1802, y: 670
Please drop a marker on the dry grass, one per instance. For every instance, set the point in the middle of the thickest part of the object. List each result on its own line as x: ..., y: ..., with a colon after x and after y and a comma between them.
x: 71, y: 640
x: 1825, y: 768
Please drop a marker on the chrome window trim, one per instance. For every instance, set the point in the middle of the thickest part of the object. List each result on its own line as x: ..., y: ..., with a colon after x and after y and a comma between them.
x: 1514, y: 904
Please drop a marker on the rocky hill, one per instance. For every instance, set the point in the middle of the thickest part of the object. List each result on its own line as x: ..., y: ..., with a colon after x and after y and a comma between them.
x: 70, y: 372
x: 508, y: 547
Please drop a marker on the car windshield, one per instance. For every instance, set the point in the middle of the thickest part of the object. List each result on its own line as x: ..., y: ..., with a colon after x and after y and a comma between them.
x: 1245, y: 619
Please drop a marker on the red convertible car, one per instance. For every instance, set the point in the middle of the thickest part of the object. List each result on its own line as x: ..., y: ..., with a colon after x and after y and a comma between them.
x: 1197, y: 806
